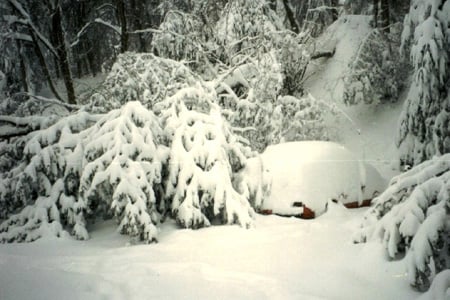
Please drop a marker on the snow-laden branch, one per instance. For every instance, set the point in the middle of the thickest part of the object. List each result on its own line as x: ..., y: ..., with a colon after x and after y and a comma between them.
x: 115, y: 28
x: 70, y: 107
x: 222, y: 77
x: 322, y: 8
x: 152, y: 30
x: 32, y: 26
x: 82, y: 31
x: 18, y: 36
x: 23, y: 121
x: 411, y: 217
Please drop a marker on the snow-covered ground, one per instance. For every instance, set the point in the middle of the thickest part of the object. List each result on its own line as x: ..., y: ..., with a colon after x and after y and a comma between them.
x: 280, y: 258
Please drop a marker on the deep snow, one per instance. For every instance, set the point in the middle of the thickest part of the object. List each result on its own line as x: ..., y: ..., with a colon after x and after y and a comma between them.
x: 281, y: 258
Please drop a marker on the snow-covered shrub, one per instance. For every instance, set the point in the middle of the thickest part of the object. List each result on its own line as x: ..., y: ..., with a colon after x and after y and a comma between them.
x: 248, y: 95
x: 296, y: 119
x: 423, y: 128
x: 377, y: 73
x: 412, y: 216
x: 141, y: 77
x: 41, y: 183
x: 246, y: 28
x: 253, y: 29
x: 183, y: 36
x: 204, y: 155
x: 294, y: 58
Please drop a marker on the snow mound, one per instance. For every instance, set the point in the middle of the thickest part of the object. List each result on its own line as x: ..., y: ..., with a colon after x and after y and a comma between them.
x: 309, y: 172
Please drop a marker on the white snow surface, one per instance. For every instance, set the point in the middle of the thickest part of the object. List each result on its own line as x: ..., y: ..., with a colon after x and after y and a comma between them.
x: 280, y: 258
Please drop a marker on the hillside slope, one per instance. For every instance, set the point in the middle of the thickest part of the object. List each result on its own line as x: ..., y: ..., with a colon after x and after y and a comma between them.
x: 368, y: 130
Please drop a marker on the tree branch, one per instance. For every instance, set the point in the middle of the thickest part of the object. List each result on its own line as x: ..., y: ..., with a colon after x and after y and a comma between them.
x: 323, y: 54
x: 33, y: 27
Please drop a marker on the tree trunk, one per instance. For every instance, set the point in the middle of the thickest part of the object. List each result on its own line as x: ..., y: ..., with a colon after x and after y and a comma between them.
x: 55, y: 58
x: 91, y: 62
x: 375, y: 13
x: 23, y: 69
x: 385, y: 22
x: 139, y: 12
x: 62, y: 53
x: 123, y: 24
x: 291, y: 17
x: 335, y: 13
x: 41, y: 58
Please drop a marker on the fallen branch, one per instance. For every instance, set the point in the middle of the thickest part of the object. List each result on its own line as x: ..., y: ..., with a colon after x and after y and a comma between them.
x: 323, y: 54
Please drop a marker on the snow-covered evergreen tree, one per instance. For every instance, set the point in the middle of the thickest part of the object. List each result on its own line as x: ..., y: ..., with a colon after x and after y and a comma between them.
x: 77, y: 169
x: 412, y: 217
x: 44, y: 183
x: 204, y: 155
x: 423, y: 130
x: 248, y: 96
x: 122, y: 168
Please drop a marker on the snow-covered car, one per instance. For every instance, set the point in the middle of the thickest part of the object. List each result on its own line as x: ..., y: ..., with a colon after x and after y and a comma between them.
x: 300, y: 178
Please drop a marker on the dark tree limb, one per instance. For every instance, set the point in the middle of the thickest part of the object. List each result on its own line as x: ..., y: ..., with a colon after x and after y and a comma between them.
x: 385, y: 17
x: 62, y: 53
x: 123, y: 24
x: 323, y: 54
x: 291, y: 17
x: 42, y: 62
x: 22, y: 66
x: 375, y: 13
x: 18, y: 7
x: 18, y: 132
